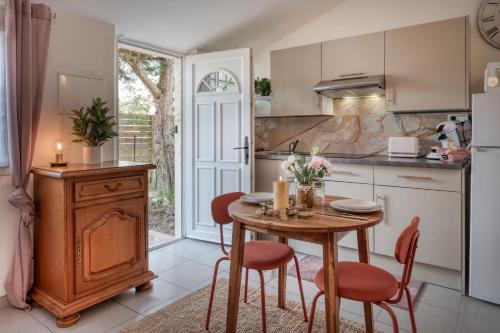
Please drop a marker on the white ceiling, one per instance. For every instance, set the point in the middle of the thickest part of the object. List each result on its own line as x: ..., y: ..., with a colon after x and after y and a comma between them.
x: 184, y: 25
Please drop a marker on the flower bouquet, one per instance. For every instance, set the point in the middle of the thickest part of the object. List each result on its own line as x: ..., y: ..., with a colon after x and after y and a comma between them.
x: 307, y: 172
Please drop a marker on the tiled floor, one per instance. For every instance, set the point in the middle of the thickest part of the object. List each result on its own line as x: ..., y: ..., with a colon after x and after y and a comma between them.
x: 187, y: 265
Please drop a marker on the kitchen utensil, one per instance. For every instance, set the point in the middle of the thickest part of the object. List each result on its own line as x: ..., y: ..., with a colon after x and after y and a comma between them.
x: 257, y: 197
x: 335, y: 206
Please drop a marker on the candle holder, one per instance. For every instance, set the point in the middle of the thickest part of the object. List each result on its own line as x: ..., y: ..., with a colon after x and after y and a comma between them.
x: 58, y: 147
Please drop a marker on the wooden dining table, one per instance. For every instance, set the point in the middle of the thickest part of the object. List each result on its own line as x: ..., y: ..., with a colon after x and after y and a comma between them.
x: 322, y: 228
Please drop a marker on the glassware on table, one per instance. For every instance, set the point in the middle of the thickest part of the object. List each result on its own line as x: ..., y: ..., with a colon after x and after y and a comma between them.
x: 319, y: 195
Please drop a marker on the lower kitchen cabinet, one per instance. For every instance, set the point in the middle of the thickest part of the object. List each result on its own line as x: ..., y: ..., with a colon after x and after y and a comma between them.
x: 440, y: 215
x: 351, y: 190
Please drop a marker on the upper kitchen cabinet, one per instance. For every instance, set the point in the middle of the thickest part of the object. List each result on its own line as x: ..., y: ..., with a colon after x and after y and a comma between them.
x: 426, y: 66
x: 294, y: 72
x: 353, y: 56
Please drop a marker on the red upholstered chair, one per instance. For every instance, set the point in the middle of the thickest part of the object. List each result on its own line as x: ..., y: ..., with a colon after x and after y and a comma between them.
x: 367, y: 283
x: 259, y: 255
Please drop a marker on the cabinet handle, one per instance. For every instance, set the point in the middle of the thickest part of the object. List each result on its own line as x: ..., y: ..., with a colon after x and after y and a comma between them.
x: 113, y: 188
x: 341, y: 172
x: 415, y: 177
x: 352, y: 75
x: 78, y: 251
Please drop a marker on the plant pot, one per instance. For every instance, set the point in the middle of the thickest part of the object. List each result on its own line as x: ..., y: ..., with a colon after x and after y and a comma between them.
x: 305, y: 195
x: 92, y: 155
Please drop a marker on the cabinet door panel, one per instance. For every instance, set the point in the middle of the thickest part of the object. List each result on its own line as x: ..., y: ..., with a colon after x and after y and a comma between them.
x: 355, y: 191
x: 109, y: 243
x: 440, y: 223
x: 294, y: 73
x: 425, y: 66
x: 360, y: 55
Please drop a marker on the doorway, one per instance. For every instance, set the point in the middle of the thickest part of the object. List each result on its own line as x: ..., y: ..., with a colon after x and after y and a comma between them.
x: 150, y: 101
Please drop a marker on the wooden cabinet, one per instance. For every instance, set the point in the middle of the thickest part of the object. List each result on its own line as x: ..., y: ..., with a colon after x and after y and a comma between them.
x: 426, y: 66
x: 440, y: 213
x: 353, y: 56
x: 294, y: 73
x: 91, y: 235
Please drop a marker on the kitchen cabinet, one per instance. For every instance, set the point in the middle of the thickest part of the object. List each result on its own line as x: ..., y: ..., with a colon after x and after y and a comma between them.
x: 427, y: 66
x: 90, y: 239
x: 440, y: 242
x: 294, y: 73
x: 353, y: 56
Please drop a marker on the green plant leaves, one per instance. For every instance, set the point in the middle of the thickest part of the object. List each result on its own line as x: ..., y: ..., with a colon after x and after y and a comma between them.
x: 91, y: 125
x: 262, y: 86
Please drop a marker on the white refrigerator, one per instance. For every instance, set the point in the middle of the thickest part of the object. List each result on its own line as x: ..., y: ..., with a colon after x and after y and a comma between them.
x: 484, y: 246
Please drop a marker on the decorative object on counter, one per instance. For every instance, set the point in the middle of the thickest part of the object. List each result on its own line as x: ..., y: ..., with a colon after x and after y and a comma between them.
x: 280, y: 197
x: 58, y: 147
x: 93, y: 127
x: 262, y: 88
x: 307, y: 173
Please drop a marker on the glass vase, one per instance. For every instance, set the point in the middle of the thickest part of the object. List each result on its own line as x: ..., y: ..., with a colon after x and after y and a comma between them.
x: 304, y: 195
x: 319, y: 195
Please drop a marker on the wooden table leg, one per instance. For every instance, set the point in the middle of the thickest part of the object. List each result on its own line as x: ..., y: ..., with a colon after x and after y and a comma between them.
x: 332, y: 302
x: 282, y: 280
x: 364, y: 256
x: 237, y: 252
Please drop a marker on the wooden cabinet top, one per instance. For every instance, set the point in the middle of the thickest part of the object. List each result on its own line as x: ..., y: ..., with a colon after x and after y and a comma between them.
x: 79, y: 169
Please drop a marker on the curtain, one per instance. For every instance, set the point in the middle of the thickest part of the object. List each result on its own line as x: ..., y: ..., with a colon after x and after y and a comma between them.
x: 27, y: 29
x: 4, y: 150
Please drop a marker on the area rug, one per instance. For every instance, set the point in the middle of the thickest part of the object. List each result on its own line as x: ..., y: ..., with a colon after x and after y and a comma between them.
x: 187, y: 315
x: 309, y: 265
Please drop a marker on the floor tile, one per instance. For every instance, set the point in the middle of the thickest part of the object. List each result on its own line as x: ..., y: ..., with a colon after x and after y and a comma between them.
x: 167, y: 302
x: 99, y: 318
x: 292, y: 286
x: 210, y: 258
x: 470, y: 324
x: 160, y: 261
x: 125, y: 324
x: 142, y: 301
x: 440, y: 296
x: 480, y: 309
x: 16, y: 320
x: 189, y: 248
x: 187, y: 275
x: 39, y: 328
x: 429, y: 318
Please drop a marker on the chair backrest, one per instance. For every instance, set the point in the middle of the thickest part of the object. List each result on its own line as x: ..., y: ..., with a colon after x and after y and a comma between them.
x: 220, y: 213
x: 406, y: 247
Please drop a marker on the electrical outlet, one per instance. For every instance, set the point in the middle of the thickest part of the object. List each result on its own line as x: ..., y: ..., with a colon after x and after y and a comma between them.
x: 459, y: 117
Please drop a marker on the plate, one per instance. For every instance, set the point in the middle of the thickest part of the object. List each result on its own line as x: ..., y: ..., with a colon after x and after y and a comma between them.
x: 355, y: 204
x: 353, y: 210
x: 257, y: 197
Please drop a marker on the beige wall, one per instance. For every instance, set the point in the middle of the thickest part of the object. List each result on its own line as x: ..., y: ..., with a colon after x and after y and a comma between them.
x: 355, y: 17
x: 78, y: 45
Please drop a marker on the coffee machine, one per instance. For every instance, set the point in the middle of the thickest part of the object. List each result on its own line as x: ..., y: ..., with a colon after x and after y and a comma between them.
x: 447, y: 132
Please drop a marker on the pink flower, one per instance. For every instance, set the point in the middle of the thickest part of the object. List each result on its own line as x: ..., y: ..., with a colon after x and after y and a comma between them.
x: 316, y: 162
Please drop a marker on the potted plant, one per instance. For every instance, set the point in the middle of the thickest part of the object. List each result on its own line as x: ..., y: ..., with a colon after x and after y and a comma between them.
x: 307, y: 173
x: 93, y: 127
x: 262, y: 87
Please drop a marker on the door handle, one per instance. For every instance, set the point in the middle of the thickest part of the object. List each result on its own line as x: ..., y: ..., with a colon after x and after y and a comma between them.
x: 246, y: 147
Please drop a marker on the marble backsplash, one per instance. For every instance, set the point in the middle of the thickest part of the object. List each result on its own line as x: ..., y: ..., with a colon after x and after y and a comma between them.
x: 358, y: 125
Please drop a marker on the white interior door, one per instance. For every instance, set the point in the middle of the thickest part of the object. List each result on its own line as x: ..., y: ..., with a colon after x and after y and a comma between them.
x: 218, y: 120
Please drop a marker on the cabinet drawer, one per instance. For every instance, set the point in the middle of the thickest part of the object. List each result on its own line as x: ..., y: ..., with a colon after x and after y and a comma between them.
x: 424, y: 178
x: 352, y: 173
x: 108, y: 187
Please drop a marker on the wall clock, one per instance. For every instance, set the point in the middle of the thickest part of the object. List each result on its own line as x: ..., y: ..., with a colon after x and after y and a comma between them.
x: 488, y: 21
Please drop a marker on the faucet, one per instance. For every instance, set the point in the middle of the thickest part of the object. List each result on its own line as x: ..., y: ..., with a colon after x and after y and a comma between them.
x: 292, y: 146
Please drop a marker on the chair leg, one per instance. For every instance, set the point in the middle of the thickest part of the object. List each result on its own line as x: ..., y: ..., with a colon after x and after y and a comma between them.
x: 411, y: 311
x: 246, y: 286
x: 387, y: 308
x: 263, y: 301
x: 313, y: 310
x: 299, y: 278
x: 212, y: 292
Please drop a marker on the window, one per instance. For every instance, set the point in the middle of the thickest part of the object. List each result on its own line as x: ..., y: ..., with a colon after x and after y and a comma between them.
x: 218, y: 82
x: 4, y: 151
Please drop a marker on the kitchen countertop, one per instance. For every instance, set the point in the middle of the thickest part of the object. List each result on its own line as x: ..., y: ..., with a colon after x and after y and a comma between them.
x: 420, y: 162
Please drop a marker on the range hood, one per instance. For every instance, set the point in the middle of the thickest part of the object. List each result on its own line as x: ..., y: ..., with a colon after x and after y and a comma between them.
x: 361, y: 86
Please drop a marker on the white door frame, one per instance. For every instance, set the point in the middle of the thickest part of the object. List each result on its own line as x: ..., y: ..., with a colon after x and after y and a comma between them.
x: 246, y: 86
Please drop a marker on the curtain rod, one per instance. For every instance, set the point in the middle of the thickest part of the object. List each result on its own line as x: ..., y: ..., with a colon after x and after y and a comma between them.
x: 131, y: 42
